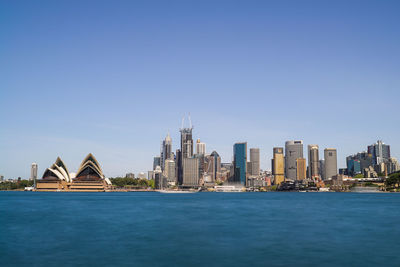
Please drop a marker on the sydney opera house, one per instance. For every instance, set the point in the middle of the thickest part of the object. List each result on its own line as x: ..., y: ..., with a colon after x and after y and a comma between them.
x: 88, y: 178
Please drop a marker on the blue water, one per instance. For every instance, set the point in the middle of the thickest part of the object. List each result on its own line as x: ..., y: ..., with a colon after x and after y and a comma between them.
x: 203, y: 229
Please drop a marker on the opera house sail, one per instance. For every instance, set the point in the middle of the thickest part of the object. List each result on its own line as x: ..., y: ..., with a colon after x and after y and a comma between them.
x: 88, y: 178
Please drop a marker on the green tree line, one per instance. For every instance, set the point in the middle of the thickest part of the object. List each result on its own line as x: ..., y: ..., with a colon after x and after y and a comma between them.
x: 393, y: 181
x: 8, y: 185
x: 131, y: 182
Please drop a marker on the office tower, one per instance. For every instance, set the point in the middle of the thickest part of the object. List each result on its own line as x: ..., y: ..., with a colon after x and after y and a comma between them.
x: 313, y: 161
x: 239, y: 161
x: 34, y: 169
x: 190, y: 172
x: 158, y: 178
x: 166, y: 150
x: 358, y: 162
x: 186, y: 142
x: 353, y: 166
x: 254, y: 162
x: 156, y: 162
x: 278, y: 166
x: 379, y: 151
x: 322, y: 168
x: 293, y: 151
x: 179, y: 167
x: 214, y: 166
x: 1, y: 178
x: 169, y: 171
x: 186, y: 150
x: 301, y: 169
x: 330, y: 156
x: 200, y: 148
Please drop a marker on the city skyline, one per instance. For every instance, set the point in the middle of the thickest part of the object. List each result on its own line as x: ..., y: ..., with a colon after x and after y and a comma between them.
x: 113, y: 79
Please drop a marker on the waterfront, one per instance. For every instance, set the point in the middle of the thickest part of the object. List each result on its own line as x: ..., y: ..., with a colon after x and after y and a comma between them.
x: 202, y: 229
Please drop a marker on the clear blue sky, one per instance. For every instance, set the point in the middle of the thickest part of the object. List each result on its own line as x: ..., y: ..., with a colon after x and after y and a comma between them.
x: 112, y: 77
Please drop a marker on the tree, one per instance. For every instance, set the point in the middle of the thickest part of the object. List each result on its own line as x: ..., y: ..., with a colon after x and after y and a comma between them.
x: 393, y: 181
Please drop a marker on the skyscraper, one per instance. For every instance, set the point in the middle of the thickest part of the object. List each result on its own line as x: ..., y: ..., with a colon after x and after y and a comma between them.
x: 156, y: 162
x: 34, y: 169
x: 255, y: 161
x: 379, y: 151
x: 301, y: 169
x: 200, y: 148
x: 322, y: 168
x: 166, y: 150
x: 186, y: 150
x: 313, y: 161
x: 278, y: 165
x: 215, y: 165
x: 186, y: 142
x: 169, y: 171
x: 190, y: 172
x: 330, y: 156
x: 293, y: 151
x: 239, y: 162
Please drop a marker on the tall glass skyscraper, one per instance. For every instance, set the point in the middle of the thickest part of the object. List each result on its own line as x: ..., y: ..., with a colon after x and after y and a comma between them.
x: 240, y: 161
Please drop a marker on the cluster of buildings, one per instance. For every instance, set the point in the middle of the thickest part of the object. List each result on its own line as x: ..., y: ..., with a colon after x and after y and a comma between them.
x: 189, y: 168
x: 372, y: 163
x: 186, y: 168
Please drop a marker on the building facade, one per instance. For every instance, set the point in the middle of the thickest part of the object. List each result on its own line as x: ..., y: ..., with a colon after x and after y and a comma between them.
x: 200, y: 148
x: 313, y: 161
x: 190, y: 172
x: 34, y: 170
x: 293, y: 151
x: 301, y: 169
x: 278, y: 165
x: 254, y: 161
x: 330, y: 156
x: 240, y: 162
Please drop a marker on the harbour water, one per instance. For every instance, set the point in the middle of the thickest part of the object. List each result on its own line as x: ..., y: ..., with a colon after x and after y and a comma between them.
x: 202, y: 229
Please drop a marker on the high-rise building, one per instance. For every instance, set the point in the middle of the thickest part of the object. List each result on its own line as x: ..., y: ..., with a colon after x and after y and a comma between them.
x: 166, y: 150
x: 293, y: 151
x: 358, y: 162
x: 255, y: 161
x: 239, y: 161
x: 278, y: 165
x: 156, y: 162
x: 34, y: 169
x: 330, y: 156
x: 186, y: 142
x: 322, y: 168
x: 301, y: 169
x: 200, y: 148
x: 190, y: 172
x: 379, y: 151
x: 169, y: 171
x: 179, y: 167
x: 313, y: 161
x: 185, y: 152
x: 215, y: 165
